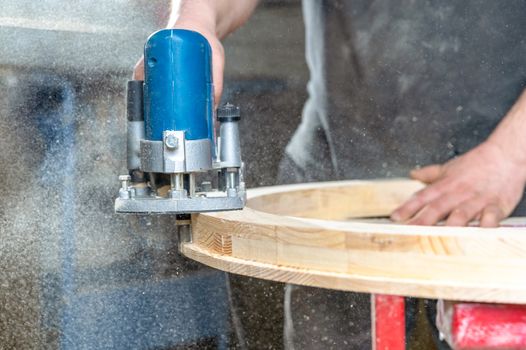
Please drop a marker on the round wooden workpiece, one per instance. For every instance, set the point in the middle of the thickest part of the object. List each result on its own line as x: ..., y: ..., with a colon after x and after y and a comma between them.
x: 308, y: 234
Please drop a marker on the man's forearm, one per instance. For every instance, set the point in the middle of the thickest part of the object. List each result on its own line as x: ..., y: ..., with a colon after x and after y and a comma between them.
x: 218, y: 16
x: 510, y: 134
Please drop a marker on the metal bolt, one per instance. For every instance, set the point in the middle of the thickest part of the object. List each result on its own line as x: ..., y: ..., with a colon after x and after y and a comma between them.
x: 171, y: 141
x: 124, y: 179
x: 206, y: 186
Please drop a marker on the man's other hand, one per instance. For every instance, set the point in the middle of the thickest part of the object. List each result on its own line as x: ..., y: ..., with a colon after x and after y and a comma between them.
x: 484, y: 184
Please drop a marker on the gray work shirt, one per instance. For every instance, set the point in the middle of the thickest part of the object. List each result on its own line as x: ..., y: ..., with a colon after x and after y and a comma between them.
x: 400, y: 83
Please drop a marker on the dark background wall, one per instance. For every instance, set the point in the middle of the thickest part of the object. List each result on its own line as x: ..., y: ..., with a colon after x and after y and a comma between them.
x: 267, y: 75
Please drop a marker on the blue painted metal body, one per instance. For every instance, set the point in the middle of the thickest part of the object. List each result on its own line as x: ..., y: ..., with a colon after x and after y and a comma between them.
x: 178, y: 85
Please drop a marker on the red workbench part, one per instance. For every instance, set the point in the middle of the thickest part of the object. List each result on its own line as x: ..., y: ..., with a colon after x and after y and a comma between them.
x: 388, y: 322
x: 468, y: 326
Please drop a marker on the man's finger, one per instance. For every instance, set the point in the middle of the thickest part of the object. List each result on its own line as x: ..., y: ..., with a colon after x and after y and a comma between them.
x: 491, y: 216
x: 466, y: 211
x: 438, y: 209
x: 427, y: 174
x: 420, y: 199
x: 138, y: 70
x: 218, y: 68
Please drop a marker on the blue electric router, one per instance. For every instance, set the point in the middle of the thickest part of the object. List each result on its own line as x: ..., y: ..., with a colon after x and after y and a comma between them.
x: 171, y: 133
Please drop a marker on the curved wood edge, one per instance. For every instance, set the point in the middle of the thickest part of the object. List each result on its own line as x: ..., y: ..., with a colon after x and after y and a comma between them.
x: 355, y: 283
x: 467, y: 263
x: 337, y: 200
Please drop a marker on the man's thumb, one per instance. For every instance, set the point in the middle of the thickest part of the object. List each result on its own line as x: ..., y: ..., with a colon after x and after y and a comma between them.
x: 427, y: 174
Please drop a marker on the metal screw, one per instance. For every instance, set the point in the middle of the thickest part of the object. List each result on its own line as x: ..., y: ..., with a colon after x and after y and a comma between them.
x: 206, y: 186
x: 124, y: 179
x: 171, y: 141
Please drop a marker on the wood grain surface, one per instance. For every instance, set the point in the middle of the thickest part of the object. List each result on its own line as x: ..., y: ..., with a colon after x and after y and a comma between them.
x: 321, y: 234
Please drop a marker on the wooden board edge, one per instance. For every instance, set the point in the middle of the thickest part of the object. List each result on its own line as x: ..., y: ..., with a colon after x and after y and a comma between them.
x: 355, y: 283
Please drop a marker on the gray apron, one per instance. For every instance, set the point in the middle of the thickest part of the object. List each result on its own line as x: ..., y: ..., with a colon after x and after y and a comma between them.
x: 394, y: 84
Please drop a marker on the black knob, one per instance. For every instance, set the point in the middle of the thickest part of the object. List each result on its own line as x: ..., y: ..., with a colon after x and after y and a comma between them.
x: 228, y: 113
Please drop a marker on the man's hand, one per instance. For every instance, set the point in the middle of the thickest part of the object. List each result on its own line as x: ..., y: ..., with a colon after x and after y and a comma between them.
x: 218, y: 58
x: 484, y: 184
x: 214, y: 19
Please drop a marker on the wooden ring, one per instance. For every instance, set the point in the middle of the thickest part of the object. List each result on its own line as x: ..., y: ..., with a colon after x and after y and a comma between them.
x: 304, y: 234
